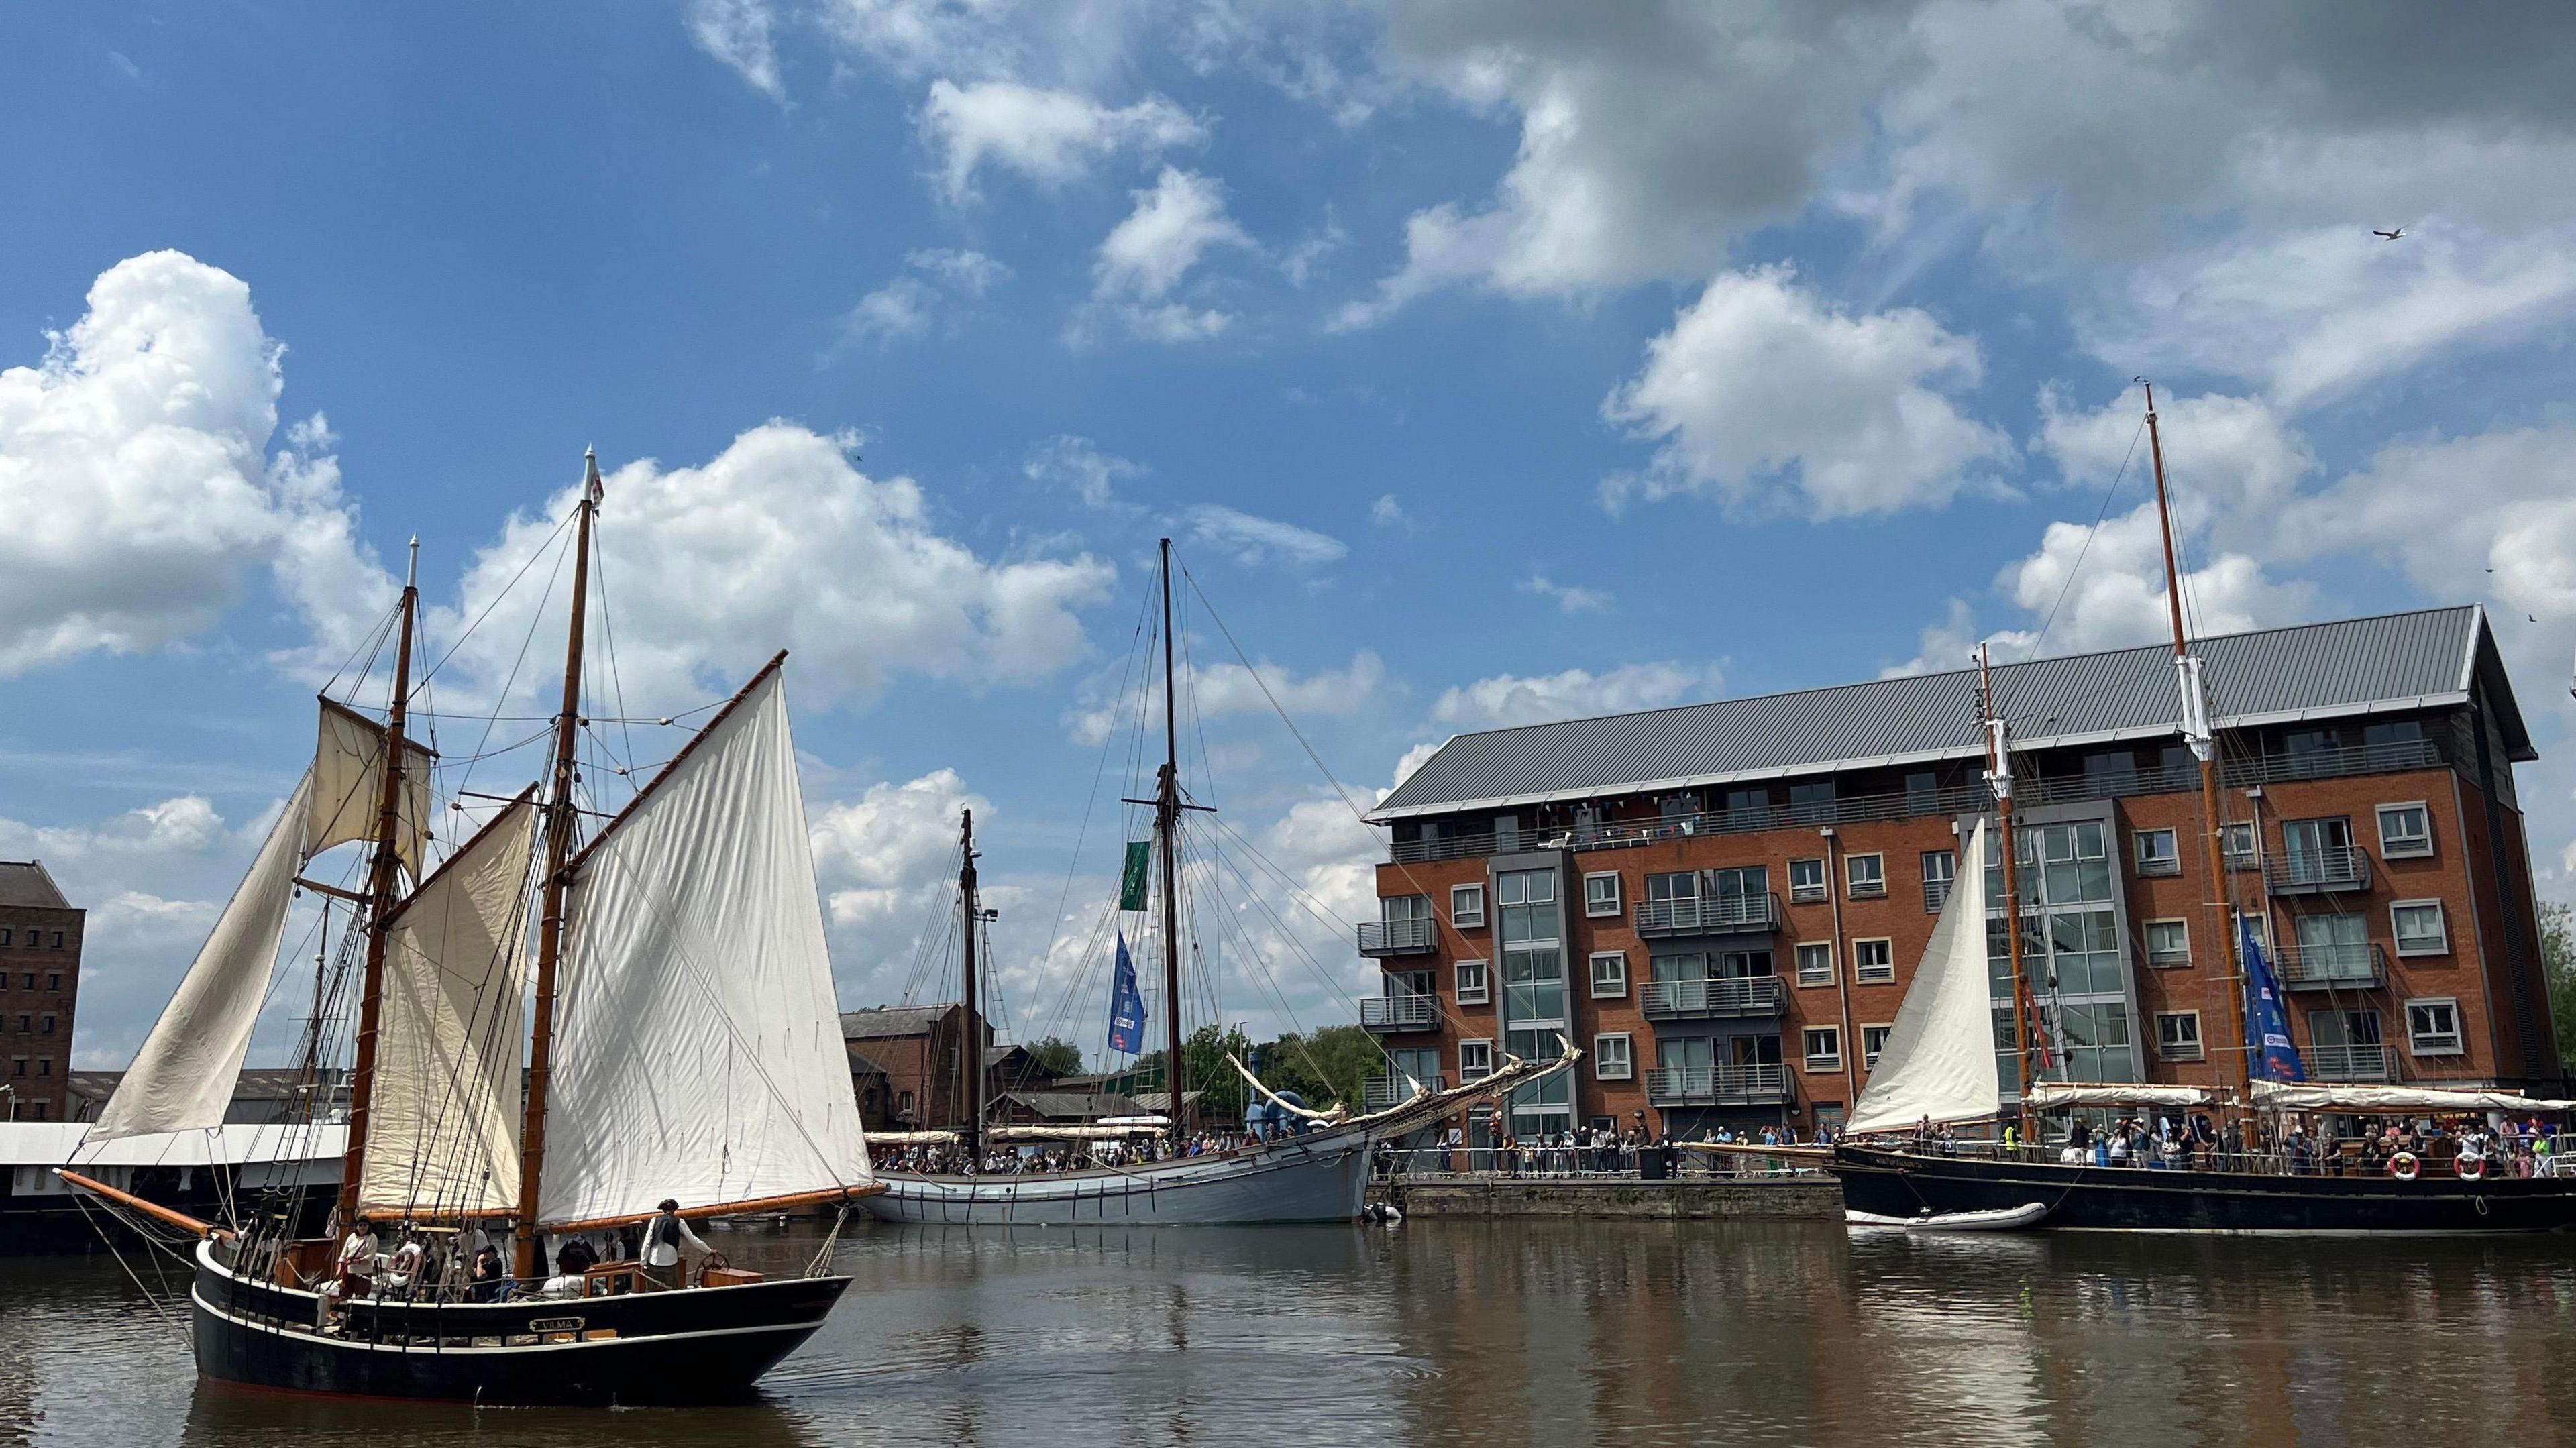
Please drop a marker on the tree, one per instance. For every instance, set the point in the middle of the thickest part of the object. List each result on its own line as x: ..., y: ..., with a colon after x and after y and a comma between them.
x: 1323, y: 1067
x: 2558, y: 965
x: 1223, y: 1093
x: 1056, y: 1056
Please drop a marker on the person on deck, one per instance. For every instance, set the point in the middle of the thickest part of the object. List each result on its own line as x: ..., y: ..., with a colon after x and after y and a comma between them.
x: 575, y: 1257
x: 491, y: 1278
x: 663, y: 1237
x: 357, y: 1260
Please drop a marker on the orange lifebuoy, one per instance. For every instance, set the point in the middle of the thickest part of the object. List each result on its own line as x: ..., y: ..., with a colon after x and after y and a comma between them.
x: 2404, y: 1166
x: 2470, y: 1168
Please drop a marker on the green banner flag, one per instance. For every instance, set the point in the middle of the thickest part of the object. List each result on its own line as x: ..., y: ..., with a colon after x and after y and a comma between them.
x: 1131, y: 882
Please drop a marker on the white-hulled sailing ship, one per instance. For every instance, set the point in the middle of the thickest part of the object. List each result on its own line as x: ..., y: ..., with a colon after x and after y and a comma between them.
x: 1939, y: 1069
x: 684, y: 1046
x: 1317, y: 1171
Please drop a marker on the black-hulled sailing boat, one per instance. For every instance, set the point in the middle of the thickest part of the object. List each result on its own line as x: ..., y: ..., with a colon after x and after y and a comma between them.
x: 1317, y: 1174
x: 1939, y: 1069
x: 685, y: 1045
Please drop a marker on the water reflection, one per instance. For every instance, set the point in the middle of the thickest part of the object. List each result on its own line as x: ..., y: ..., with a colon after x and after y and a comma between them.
x: 1502, y: 1333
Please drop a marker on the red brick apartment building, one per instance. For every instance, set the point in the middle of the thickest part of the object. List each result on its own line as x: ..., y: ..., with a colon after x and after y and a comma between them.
x: 1722, y: 904
x: 40, y: 951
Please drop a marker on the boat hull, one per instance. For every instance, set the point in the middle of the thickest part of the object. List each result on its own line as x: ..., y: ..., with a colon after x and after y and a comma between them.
x: 2131, y: 1199
x: 702, y: 1345
x: 1323, y: 1178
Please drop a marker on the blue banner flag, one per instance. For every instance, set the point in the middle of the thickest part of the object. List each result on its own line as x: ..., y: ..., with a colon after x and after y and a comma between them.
x: 1126, y: 1005
x: 2275, y: 1057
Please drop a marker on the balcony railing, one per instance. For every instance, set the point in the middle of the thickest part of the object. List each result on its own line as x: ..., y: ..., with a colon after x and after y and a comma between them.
x: 2347, y: 1063
x: 1398, y: 937
x: 2344, y: 867
x: 1753, y: 995
x: 1709, y: 915
x: 2326, y: 967
x: 1717, y: 1085
x: 1400, y: 1013
x: 1377, y: 1093
x: 1956, y: 799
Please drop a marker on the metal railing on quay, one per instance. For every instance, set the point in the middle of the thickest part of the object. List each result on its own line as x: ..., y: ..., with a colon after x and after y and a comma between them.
x: 1532, y: 1161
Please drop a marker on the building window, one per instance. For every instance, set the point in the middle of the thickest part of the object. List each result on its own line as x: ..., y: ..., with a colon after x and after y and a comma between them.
x: 1873, y: 961
x: 4, y: 937
x: 2168, y: 943
x: 2419, y: 926
x: 1816, y: 962
x: 2405, y: 831
x: 49, y: 1025
x: 54, y: 980
x: 2237, y: 838
x: 1614, y: 1058
x: 1866, y: 875
x: 17, y: 1065
x: 1609, y: 974
x: 1806, y: 880
x: 2178, y: 1035
x: 58, y: 940
x: 44, y: 1066
x: 1475, y: 1060
x: 1601, y: 894
x: 1824, y: 1048
x: 903, y: 1103
x: 2433, y: 1027
x: 26, y: 1024
x: 1472, y: 987
x: 1873, y: 1044
x: 1940, y: 872
x: 1466, y: 905
x: 2159, y: 852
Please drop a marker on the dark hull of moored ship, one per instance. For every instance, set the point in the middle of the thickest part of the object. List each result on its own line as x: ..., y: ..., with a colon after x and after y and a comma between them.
x: 702, y: 1345
x: 2128, y: 1199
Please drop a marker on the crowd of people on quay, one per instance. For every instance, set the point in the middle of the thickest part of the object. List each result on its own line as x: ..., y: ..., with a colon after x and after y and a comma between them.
x: 2466, y: 1146
x: 1600, y: 1151
x: 1022, y: 1159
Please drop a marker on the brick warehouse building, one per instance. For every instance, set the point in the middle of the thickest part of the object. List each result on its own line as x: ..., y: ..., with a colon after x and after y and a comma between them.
x: 1723, y: 903
x: 40, y: 951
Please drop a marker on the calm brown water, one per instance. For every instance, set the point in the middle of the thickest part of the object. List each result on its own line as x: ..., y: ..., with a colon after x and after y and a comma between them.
x: 1539, y: 1333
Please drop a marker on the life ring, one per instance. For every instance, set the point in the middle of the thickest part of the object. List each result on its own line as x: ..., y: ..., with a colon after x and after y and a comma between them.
x: 2470, y: 1168
x: 2404, y: 1166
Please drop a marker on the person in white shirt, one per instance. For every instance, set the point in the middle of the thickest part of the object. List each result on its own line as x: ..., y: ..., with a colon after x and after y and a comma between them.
x: 663, y: 1237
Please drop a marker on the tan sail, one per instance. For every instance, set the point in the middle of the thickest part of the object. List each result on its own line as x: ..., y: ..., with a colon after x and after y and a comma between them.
x: 348, y: 781
x: 443, y: 1130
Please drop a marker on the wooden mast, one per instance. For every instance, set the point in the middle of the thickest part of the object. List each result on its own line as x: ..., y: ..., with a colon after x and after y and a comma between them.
x: 2197, y: 733
x: 971, y: 1029
x: 380, y: 902
x: 1167, y: 821
x: 1999, y: 774
x: 562, y: 818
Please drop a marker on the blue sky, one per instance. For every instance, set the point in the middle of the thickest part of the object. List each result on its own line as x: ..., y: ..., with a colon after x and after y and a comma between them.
x: 1490, y: 361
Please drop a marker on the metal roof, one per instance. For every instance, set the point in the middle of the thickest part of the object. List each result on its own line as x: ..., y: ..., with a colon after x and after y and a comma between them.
x: 885, y: 1021
x: 2322, y: 670
x: 28, y: 883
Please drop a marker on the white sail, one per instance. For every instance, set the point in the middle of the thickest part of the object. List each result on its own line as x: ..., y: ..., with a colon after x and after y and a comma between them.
x: 182, y: 1079
x: 698, y: 1048
x: 1940, y: 1056
x: 443, y: 1118
x: 348, y: 787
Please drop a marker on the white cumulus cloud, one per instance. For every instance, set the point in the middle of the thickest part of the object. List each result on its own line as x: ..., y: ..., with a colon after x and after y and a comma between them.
x: 1769, y: 400
x: 1049, y: 137
x: 1509, y: 699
